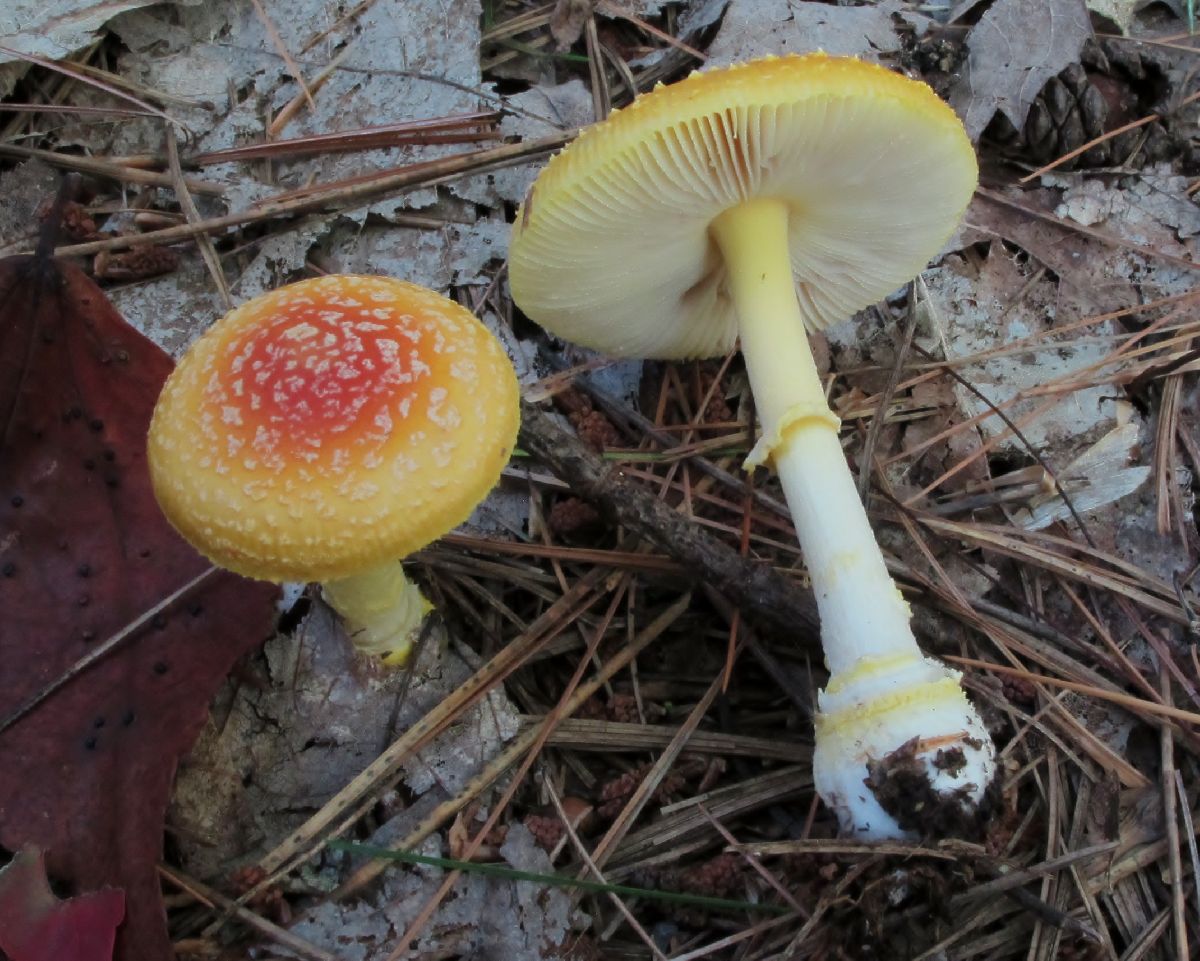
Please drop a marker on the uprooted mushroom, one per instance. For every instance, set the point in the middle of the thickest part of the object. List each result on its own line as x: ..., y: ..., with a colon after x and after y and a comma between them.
x: 755, y: 202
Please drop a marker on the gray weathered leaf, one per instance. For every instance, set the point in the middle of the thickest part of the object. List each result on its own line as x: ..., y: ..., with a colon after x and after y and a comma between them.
x: 1100, y: 475
x: 279, y: 749
x: 1123, y: 12
x: 481, y: 918
x: 53, y: 29
x: 1016, y: 47
x: 752, y: 29
x: 977, y: 314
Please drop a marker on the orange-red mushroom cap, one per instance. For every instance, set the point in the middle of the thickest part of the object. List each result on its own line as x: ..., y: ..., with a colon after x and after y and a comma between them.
x: 330, y: 426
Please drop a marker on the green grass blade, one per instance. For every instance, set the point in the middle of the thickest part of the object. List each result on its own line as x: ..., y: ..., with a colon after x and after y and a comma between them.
x: 557, y: 881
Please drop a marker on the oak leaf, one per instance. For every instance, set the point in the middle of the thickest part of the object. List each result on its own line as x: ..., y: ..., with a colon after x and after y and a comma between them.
x: 84, y: 551
x: 37, y: 926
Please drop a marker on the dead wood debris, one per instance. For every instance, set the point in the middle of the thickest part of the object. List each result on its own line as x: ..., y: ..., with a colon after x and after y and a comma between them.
x: 754, y: 587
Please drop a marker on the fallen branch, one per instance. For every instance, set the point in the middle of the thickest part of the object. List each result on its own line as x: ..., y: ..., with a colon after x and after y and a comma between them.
x: 758, y: 589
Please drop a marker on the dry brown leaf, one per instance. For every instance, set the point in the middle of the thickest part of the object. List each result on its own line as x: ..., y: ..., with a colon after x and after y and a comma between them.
x: 568, y: 20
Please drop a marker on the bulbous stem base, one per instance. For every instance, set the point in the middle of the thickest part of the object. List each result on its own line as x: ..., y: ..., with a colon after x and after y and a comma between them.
x: 884, y: 705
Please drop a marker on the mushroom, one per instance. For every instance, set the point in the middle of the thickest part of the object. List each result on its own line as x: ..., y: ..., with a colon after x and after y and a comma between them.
x: 757, y: 201
x: 324, y: 430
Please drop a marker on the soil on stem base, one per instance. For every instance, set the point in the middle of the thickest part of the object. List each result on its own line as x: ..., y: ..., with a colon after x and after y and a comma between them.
x: 900, y: 782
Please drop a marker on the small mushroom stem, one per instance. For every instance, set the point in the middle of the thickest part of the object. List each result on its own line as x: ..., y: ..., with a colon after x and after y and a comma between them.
x: 883, y: 691
x: 382, y: 610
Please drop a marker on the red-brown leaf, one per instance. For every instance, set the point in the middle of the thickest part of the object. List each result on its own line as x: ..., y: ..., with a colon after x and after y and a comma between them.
x: 37, y: 926
x: 83, y: 552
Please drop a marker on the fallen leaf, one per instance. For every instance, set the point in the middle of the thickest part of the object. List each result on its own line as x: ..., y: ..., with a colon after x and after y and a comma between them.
x: 419, y: 57
x: 539, y: 112
x: 482, y: 916
x: 1120, y: 12
x: 1155, y: 210
x: 23, y: 188
x: 317, y: 715
x: 53, y: 29
x: 695, y: 18
x: 961, y: 9
x: 1123, y: 12
x: 37, y: 926
x: 779, y: 27
x: 568, y: 20
x: 1016, y: 47
x: 1097, y: 275
x: 84, y: 551
x: 1008, y: 302
x: 1102, y: 474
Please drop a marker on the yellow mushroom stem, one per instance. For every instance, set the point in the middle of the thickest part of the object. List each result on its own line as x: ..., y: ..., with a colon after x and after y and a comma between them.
x: 862, y: 613
x: 382, y: 610
x: 883, y: 691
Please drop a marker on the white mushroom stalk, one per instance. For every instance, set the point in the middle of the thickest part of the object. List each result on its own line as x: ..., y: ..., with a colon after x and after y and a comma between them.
x: 883, y: 691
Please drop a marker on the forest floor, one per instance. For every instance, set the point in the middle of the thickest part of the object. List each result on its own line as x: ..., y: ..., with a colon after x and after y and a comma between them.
x: 594, y: 699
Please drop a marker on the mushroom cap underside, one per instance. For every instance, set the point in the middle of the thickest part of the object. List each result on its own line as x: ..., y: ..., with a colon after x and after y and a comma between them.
x: 612, y: 248
x: 332, y: 425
